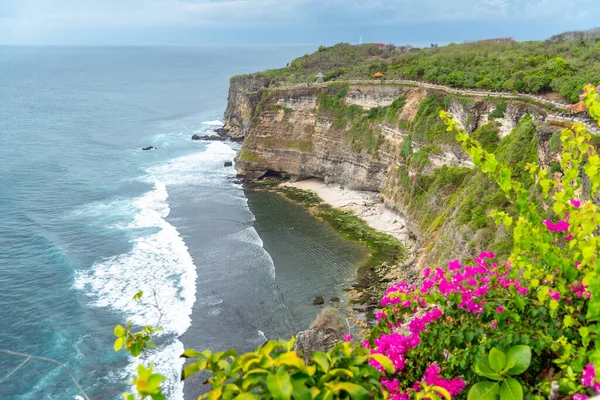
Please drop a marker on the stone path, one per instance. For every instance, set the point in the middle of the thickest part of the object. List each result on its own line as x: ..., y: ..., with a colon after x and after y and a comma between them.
x: 589, y: 124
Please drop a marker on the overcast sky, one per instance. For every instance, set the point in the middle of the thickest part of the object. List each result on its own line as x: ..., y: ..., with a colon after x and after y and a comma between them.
x: 186, y: 22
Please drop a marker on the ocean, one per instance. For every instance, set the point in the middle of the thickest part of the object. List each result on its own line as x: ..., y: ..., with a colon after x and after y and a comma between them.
x: 88, y: 219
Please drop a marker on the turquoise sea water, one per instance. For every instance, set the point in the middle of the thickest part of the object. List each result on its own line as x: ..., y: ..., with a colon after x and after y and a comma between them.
x: 87, y: 218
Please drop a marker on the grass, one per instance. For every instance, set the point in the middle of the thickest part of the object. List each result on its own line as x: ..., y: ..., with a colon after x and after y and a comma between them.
x: 248, y: 156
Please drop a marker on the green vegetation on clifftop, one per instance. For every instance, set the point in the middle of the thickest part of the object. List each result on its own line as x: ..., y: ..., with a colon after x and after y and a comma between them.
x: 561, y: 64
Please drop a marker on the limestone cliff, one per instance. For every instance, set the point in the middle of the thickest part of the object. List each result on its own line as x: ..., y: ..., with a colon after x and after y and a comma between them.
x: 387, y: 138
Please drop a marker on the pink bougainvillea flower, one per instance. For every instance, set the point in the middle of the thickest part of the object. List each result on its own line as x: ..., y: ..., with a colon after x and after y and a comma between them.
x: 453, y: 386
x: 394, y: 390
x: 494, y: 324
x: 577, y: 264
x: 579, y: 288
x: 576, y: 203
x: 569, y: 237
x: 500, y: 309
x: 347, y: 337
x: 589, y: 378
x: 554, y: 295
x: 560, y: 226
x: 597, y: 88
x: 580, y: 397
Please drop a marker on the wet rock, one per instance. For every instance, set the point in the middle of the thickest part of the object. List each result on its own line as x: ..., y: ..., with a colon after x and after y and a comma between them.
x: 318, y: 301
x: 221, y: 132
x: 212, y: 137
x: 228, y: 164
x: 334, y: 299
x: 317, y: 339
x: 196, y: 137
x: 148, y: 148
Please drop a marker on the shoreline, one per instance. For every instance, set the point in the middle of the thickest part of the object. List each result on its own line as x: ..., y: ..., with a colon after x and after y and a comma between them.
x: 365, y: 205
x: 362, y: 217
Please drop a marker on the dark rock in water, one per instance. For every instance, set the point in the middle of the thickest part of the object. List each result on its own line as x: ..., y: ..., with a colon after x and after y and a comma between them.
x: 221, y: 132
x: 228, y: 163
x: 148, y: 148
x: 318, y: 301
x: 317, y: 339
x: 212, y: 137
x: 334, y: 299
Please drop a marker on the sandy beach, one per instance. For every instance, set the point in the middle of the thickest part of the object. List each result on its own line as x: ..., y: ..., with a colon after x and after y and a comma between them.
x: 366, y: 205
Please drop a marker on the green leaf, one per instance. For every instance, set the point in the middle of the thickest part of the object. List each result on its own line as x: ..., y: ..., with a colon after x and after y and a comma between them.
x: 511, y: 390
x: 119, y: 331
x: 321, y: 360
x: 291, y: 359
x: 484, y: 391
x: 248, y: 396
x: 136, y: 349
x: 340, y: 372
x: 483, y: 368
x: 301, y: 392
x: 445, y: 393
x: 128, y: 396
x: 497, y: 359
x: 138, y: 295
x: 190, y: 370
x: 280, y: 385
x: 385, y: 362
x: 520, y: 358
x: 155, y: 380
x: 118, y: 343
x: 355, y: 391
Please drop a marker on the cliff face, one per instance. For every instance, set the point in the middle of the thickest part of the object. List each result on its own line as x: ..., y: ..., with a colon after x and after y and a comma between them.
x: 244, y: 94
x: 290, y: 135
x: 385, y: 138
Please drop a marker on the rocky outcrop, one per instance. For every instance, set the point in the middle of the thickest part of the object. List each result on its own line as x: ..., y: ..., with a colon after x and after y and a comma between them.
x: 317, y: 339
x: 244, y: 94
x: 291, y: 135
x: 473, y: 114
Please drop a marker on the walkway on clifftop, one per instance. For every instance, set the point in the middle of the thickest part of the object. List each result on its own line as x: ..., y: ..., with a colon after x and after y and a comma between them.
x: 553, y: 105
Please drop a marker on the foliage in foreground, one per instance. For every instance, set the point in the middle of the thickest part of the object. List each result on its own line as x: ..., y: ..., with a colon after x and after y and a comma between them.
x: 522, y: 327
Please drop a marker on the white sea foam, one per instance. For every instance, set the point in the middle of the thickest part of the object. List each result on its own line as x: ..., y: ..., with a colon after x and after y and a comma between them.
x: 215, y: 122
x: 158, y: 264
x: 198, y: 168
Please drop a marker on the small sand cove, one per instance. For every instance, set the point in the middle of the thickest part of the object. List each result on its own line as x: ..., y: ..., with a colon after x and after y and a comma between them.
x: 366, y: 205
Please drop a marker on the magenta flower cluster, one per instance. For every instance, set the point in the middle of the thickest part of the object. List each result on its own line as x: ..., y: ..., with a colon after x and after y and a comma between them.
x: 394, y: 345
x: 471, y: 283
x: 432, y: 378
x: 465, y: 285
x: 589, y: 378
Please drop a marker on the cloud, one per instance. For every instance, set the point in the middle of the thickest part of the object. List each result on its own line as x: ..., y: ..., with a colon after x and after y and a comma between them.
x: 153, y: 13
x: 43, y: 18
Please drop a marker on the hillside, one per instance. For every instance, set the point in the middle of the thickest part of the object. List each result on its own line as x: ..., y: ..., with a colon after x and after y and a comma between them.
x: 562, y: 64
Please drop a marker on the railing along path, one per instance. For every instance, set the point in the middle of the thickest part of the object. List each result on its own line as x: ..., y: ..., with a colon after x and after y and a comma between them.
x: 472, y: 93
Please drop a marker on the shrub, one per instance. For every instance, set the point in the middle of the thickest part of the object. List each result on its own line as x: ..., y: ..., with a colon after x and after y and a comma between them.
x: 499, y: 111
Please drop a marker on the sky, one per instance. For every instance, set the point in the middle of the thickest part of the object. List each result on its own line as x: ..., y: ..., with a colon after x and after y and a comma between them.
x: 198, y: 22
